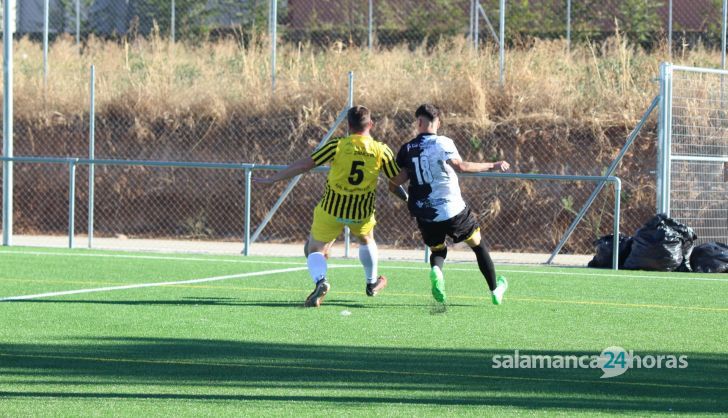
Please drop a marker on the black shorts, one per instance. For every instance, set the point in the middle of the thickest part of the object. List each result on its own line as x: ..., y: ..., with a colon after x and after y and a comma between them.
x: 460, y: 227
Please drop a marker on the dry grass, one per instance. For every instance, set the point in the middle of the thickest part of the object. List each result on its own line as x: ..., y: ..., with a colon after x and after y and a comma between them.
x: 609, y: 83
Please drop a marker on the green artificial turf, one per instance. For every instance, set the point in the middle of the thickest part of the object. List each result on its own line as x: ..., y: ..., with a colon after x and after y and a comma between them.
x: 243, y: 345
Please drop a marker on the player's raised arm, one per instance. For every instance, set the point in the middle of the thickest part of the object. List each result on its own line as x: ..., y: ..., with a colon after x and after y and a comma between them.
x: 461, y: 166
x: 295, y: 168
x: 319, y: 157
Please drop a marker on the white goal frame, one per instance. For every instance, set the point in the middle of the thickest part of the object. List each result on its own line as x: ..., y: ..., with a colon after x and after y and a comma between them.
x: 692, y: 154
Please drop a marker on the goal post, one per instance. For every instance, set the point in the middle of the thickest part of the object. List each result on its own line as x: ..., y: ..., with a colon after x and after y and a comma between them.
x: 692, y: 168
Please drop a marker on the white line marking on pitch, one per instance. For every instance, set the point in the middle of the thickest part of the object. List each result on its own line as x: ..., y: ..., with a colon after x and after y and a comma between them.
x: 150, y: 257
x: 293, y: 263
x: 142, y: 285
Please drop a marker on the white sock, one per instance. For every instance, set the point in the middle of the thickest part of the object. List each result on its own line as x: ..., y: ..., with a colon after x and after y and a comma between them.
x: 316, y: 266
x: 368, y: 255
x: 437, y: 270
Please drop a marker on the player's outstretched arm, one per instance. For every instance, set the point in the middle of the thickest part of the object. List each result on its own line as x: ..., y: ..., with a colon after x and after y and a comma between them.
x: 395, y: 185
x: 461, y: 166
x: 295, y: 168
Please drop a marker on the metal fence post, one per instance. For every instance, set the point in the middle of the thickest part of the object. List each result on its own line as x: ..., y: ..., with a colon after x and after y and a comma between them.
x: 723, y: 34
x: 91, y: 156
x: 660, y: 134
x: 370, y: 24
x: 71, y: 201
x: 7, y: 125
x: 476, y: 26
x: 615, y: 241
x: 470, y: 27
x: 78, y: 22
x: 663, y: 141
x: 502, y: 49
x: 273, y: 27
x: 568, y: 25
x: 669, y: 28
x: 246, y: 223
x: 347, y: 231
x: 46, y: 12
x: 724, y: 27
x: 172, y: 22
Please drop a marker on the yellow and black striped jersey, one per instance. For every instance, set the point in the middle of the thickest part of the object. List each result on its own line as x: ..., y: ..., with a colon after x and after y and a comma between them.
x: 356, y: 161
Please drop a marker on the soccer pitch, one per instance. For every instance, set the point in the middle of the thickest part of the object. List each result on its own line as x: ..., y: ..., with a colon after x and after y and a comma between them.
x: 109, y: 333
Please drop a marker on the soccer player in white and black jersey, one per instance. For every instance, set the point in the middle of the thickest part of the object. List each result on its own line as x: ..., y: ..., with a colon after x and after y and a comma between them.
x: 430, y: 163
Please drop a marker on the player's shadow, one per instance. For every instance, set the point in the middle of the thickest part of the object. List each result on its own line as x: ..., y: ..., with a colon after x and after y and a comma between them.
x: 299, y: 304
x: 438, y: 309
x: 357, y: 375
x: 198, y: 302
x: 218, y: 301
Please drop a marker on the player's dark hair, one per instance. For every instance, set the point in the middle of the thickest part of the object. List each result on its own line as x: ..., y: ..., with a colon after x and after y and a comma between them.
x: 359, y: 118
x: 429, y: 111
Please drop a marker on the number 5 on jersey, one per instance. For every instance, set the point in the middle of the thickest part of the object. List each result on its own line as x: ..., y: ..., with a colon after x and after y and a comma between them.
x: 356, y: 175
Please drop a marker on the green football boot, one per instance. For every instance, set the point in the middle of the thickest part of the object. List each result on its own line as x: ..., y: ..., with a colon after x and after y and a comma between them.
x: 500, y: 289
x: 438, y: 284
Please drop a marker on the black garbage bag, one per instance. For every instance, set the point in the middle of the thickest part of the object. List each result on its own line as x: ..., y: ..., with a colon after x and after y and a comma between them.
x: 603, y: 257
x: 662, y: 244
x: 711, y: 257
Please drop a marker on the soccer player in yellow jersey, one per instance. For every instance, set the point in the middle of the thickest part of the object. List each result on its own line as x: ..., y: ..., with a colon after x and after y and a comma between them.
x: 356, y: 161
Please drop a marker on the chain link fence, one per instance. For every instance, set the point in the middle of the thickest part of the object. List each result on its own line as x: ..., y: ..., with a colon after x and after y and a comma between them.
x: 185, y: 19
x: 376, y: 22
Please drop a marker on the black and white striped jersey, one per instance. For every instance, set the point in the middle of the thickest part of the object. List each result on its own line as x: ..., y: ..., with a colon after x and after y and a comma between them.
x: 434, y: 192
